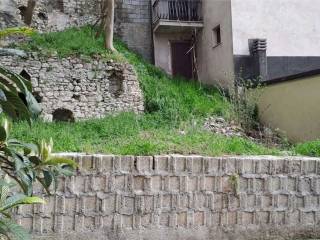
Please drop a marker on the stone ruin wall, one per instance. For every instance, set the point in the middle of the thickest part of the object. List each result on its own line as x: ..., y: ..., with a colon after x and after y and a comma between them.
x: 181, y: 197
x: 132, y: 18
x: 71, y: 89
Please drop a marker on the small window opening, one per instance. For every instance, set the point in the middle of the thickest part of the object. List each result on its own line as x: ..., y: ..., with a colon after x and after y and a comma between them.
x: 217, y: 36
x: 63, y: 115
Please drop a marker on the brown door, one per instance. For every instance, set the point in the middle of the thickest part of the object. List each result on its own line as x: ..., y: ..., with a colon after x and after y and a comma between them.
x: 181, y: 57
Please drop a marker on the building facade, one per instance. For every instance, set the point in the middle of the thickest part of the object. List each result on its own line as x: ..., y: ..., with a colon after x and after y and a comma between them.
x: 232, y: 39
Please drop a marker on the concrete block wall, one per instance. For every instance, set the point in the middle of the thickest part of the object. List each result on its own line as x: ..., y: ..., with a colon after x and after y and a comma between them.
x: 133, y: 25
x: 181, y: 197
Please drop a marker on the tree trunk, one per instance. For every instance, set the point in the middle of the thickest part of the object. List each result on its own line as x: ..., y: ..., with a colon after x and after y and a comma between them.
x: 108, y: 22
x: 29, y: 12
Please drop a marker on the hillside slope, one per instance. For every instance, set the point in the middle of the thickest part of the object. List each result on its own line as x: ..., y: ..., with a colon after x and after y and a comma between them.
x: 174, y: 117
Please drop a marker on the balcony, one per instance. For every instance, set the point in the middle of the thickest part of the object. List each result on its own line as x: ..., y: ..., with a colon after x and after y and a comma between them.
x: 176, y: 15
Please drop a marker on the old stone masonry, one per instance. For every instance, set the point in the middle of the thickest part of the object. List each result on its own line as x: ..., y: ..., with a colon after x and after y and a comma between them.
x: 71, y: 88
x: 132, y: 18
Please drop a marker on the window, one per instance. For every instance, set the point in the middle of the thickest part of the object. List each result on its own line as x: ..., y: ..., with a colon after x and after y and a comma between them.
x: 216, y: 36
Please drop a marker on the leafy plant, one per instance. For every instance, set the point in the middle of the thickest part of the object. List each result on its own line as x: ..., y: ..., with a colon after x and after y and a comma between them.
x: 24, y: 163
x: 8, y: 227
x: 16, y: 99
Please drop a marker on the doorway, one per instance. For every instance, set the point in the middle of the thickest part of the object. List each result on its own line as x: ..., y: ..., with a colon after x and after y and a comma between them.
x: 181, y: 57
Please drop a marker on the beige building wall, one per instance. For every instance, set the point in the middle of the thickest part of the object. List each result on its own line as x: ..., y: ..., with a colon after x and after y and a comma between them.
x: 215, y: 63
x: 293, y: 107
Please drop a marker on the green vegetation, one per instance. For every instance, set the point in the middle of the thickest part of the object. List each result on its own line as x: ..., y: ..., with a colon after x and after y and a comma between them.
x: 311, y: 149
x: 175, y: 110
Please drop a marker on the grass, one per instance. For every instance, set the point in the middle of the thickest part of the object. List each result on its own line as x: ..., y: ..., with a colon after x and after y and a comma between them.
x: 173, y: 120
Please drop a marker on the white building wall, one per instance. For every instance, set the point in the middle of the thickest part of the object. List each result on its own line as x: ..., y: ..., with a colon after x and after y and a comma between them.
x: 292, y: 27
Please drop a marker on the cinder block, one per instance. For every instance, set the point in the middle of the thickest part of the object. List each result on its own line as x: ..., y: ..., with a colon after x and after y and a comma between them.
x: 87, y: 163
x: 232, y: 218
x: 46, y: 225
x: 216, y: 218
x: 107, y: 163
x: 180, y: 164
x: 120, y: 182
x: 162, y: 163
x: 211, y: 165
x: 164, y: 219
x: 90, y: 204
x: 309, y: 167
x: 246, y: 166
x: 156, y: 183
x: 79, y: 184
x: 174, y: 184
x: 174, y: 201
x: 182, y: 219
x: 199, y: 218
x: 291, y: 184
x: 127, y: 205
x: 197, y: 163
x: 107, y: 221
x: 109, y: 204
x: 267, y: 202
x: 183, y: 201
x: 127, y: 221
x: 259, y: 185
x: 283, y: 201
x: 263, y: 166
x: 138, y: 183
x: 127, y: 163
x: 68, y: 223
x: 295, y: 167
x: 247, y: 218
x: 166, y: 201
x: 210, y: 184
x: 148, y: 206
x: 243, y: 184
x: 233, y: 202
x: 146, y: 220
x: 144, y: 164
x: 230, y: 165
x: 192, y: 184
x: 305, y: 185
x: 218, y: 201
x: 263, y: 218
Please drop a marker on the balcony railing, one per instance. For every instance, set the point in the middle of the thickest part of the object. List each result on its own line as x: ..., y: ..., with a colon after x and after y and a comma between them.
x: 177, y: 10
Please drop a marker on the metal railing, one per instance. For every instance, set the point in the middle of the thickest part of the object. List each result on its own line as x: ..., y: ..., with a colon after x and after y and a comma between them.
x: 177, y: 10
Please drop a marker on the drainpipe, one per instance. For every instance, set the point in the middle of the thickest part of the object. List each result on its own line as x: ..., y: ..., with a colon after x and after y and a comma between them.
x: 258, y: 49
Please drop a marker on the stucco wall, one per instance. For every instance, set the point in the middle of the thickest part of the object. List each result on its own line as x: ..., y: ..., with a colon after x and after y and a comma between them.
x: 290, y: 26
x: 215, y: 64
x: 181, y: 197
x: 293, y: 107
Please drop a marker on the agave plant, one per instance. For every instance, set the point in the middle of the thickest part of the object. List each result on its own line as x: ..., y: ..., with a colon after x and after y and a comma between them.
x: 24, y: 163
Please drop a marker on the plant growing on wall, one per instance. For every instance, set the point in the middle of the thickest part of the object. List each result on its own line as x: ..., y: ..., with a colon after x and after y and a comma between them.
x: 22, y: 163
